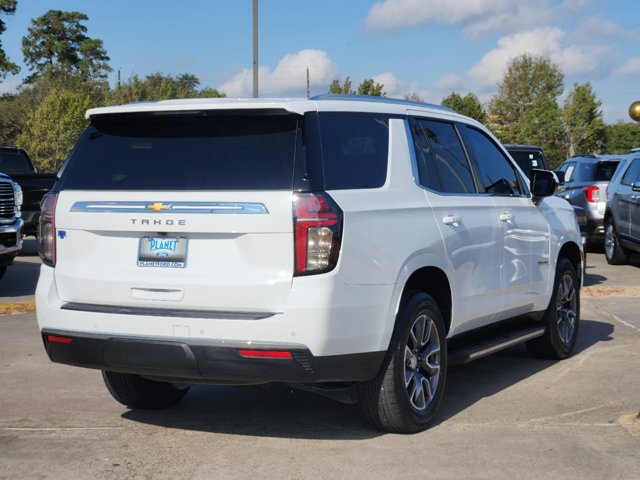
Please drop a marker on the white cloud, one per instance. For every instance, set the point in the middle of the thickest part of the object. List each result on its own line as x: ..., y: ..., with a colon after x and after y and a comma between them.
x: 393, y: 86
x: 547, y: 41
x: 289, y: 77
x: 630, y: 67
x: 478, y: 17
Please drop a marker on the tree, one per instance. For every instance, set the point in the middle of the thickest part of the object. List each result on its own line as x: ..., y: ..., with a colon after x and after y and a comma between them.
x: 7, y: 7
x: 345, y: 88
x: 54, y: 127
x: 620, y: 137
x: 414, y: 97
x: 158, y: 86
x: 526, y: 80
x: 368, y: 87
x: 542, y: 125
x: 468, y: 105
x: 583, y: 121
x: 58, y: 40
x: 525, y: 108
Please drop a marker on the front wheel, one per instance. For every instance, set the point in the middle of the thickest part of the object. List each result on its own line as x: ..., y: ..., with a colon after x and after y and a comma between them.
x: 562, y: 318
x: 613, y: 251
x: 136, y: 391
x: 406, y: 393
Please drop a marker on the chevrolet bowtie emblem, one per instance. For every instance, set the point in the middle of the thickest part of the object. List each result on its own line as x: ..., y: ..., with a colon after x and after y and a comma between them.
x: 158, y: 207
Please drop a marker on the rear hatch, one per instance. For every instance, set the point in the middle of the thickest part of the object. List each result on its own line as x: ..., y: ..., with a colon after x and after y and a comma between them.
x: 187, y: 210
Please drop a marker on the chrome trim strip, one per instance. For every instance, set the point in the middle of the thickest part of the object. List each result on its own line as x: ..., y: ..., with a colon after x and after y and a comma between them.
x: 165, y: 312
x: 509, y: 343
x: 213, y: 342
x: 237, y: 208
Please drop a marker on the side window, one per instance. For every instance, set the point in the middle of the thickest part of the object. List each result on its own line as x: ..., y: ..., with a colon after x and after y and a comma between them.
x: 495, y: 172
x: 633, y: 173
x: 355, y: 150
x: 427, y: 172
x: 450, y: 159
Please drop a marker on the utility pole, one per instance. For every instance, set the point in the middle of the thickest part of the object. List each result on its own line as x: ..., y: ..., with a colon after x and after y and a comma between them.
x: 255, y: 48
x: 308, y: 84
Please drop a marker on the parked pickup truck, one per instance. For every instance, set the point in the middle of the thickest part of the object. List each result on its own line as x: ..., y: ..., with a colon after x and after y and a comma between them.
x: 16, y: 163
x: 10, y: 222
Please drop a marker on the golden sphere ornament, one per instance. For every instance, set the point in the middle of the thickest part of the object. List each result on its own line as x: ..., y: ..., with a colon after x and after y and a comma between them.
x: 634, y: 111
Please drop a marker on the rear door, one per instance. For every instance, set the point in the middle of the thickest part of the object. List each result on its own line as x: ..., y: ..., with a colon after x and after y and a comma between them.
x: 629, y: 200
x: 182, y: 211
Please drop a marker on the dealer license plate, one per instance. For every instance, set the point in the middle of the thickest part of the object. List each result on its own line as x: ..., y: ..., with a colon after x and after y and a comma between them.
x: 168, y: 252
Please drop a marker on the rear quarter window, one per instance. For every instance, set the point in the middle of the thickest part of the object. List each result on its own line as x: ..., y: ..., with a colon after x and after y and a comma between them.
x: 355, y: 151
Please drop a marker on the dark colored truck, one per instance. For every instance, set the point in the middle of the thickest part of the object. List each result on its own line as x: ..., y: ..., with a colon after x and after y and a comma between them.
x: 16, y: 163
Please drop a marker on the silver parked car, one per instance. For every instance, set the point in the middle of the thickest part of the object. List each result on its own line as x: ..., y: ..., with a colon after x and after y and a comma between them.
x: 622, y: 215
x: 585, y: 182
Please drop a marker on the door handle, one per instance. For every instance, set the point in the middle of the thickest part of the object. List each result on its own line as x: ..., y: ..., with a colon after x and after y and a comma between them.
x: 453, y: 220
x: 506, y: 217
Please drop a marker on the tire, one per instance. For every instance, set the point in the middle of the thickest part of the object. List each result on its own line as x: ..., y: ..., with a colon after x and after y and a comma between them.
x: 613, y: 251
x: 562, y: 318
x: 3, y: 270
x: 135, y: 391
x: 405, y: 395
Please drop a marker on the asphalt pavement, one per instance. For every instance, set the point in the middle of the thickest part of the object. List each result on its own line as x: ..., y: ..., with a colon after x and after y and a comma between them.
x: 505, y: 416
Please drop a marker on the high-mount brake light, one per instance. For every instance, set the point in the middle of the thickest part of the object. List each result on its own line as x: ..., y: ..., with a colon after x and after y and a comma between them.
x: 592, y: 193
x: 317, y: 227
x: 47, y: 230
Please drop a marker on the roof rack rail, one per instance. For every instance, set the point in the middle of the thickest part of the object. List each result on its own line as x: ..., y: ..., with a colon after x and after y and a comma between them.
x: 371, y: 98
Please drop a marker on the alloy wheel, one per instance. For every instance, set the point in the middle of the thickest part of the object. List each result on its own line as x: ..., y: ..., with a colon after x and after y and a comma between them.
x: 566, y: 307
x: 422, y: 362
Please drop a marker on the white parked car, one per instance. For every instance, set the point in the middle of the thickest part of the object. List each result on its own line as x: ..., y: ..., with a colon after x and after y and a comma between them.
x: 366, y: 241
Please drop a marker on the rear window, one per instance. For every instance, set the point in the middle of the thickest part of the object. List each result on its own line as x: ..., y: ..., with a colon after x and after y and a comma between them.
x: 591, y: 172
x: 185, y: 152
x: 14, y: 161
x: 354, y: 151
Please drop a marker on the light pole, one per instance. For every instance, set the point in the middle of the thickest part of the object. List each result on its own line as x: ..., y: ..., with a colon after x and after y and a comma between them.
x: 255, y: 48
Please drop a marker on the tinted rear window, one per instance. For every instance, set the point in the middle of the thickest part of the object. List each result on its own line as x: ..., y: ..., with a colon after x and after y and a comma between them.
x: 354, y: 151
x: 14, y: 161
x: 591, y: 172
x: 178, y: 152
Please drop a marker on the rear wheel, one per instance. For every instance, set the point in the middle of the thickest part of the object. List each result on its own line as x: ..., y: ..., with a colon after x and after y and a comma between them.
x: 136, y: 391
x: 562, y: 317
x: 406, y: 393
x: 613, y: 251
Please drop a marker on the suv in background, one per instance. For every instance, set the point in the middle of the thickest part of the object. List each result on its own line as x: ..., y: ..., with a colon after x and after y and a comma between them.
x: 585, y: 182
x: 366, y: 241
x: 622, y: 216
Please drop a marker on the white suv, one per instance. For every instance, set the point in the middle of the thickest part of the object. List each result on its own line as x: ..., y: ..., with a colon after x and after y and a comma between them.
x: 370, y: 242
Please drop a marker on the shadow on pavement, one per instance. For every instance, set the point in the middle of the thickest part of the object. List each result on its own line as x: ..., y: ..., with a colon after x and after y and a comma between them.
x: 281, y: 412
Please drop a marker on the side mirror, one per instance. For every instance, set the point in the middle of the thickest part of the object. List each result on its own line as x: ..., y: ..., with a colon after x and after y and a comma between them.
x: 560, y: 176
x: 543, y: 183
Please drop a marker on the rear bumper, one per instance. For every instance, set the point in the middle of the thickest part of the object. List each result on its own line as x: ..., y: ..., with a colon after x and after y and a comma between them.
x: 595, y: 229
x: 192, y: 362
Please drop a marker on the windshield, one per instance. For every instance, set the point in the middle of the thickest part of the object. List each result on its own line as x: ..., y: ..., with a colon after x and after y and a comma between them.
x: 528, y: 160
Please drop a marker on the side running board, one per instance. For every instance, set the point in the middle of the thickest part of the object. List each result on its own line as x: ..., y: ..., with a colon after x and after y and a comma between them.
x: 468, y: 353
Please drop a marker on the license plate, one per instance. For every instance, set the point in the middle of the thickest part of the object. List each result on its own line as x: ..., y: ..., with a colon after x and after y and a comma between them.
x: 168, y: 252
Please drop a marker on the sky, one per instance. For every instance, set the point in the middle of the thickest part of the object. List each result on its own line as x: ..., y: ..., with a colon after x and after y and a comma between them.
x: 428, y: 47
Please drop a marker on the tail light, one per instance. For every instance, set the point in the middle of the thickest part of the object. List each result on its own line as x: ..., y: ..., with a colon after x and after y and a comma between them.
x: 317, y: 227
x: 47, y: 229
x: 592, y: 193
